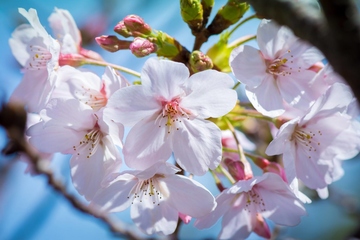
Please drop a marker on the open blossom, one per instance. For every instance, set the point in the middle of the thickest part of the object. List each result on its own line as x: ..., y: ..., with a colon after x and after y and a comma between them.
x: 38, y: 53
x: 87, y: 87
x: 245, y: 204
x: 157, y: 197
x: 278, y: 72
x: 72, y: 127
x: 67, y: 33
x: 313, y: 144
x: 169, y: 111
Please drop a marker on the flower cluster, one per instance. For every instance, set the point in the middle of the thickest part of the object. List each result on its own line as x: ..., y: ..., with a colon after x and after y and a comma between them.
x: 187, y: 118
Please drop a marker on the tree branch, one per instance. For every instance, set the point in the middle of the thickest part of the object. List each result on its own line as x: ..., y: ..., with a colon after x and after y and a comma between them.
x: 336, y: 32
x: 13, y: 119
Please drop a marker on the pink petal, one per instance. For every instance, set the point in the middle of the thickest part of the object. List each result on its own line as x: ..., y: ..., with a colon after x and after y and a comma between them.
x: 164, y: 78
x: 211, y: 94
x: 188, y: 196
x: 146, y: 144
x: 266, y: 98
x: 197, y: 146
x: 248, y: 65
x: 114, y: 198
x: 19, y: 40
x: 154, y: 219
x: 88, y: 173
x: 131, y: 104
x: 281, y: 204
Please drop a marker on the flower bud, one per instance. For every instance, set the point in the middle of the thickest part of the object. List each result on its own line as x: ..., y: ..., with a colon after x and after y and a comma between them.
x: 192, y: 13
x: 121, y: 29
x: 276, y: 168
x: 137, y: 26
x: 200, y: 62
x: 229, y: 14
x: 112, y: 43
x: 142, y: 47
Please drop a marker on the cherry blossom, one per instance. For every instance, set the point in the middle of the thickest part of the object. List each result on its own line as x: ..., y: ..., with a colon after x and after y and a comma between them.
x: 38, y: 53
x: 245, y: 204
x: 157, y: 197
x: 67, y: 33
x: 87, y: 87
x: 71, y: 127
x: 278, y: 72
x: 312, y: 144
x: 169, y: 111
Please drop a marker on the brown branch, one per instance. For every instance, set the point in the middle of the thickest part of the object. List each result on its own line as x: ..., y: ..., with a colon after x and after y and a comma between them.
x: 13, y: 119
x: 336, y: 32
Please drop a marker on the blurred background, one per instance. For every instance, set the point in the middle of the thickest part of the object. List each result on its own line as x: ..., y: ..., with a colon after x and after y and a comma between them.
x: 30, y: 209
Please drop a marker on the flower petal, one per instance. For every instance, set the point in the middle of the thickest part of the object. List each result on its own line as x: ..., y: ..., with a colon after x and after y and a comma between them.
x: 131, y: 104
x: 146, y: 144
x: 114, y: 198
x: 211, y: 94
x: 154, y: 219
x: 197, y: 146
x: 164, y: 78
x: 281, y: 204
x: 266, y: 98
x: 248, y: 65
x: 88, y: 173
x: 188, y: 196
x: 19, y: 40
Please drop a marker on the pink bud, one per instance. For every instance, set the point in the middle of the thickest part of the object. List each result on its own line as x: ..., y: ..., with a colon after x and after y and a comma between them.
x: 137, y: 26
x: 276, y: 168
x: 142, y: 47
x: 112, y: 43
x: 121, y: 29
x: 200, y: 62
x: 236, y: 169
x: 185, y: 218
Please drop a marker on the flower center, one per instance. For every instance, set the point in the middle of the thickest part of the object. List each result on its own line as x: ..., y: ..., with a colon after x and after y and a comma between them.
x: 254, y: 201
x: 276, y: 67
x: 148, y: 190
x: 172, y: 114
x: 309, y: 140
x: 39, y: 57
x: 91, y: 97
x: 89, y: 143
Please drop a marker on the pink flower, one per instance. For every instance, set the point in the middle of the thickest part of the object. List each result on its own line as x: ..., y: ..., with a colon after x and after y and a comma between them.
x: 278, y: 72
x: 245, y: 204
x: 87, y: 87
x: 38, y: 53
x: 157, y: 197
x: 311, y: 145
x: 71, y: 127
x: 169, y: 111
x: 67, y: 33
x: 142, y: 47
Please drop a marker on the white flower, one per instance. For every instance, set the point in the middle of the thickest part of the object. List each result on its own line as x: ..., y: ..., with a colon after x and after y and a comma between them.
x: 277, y: 72
x: 38, y: 53
x: 313, y: 144
x: 169, y: 111
x: 244, y: 205
x: 156, y: 195
x: 71, y: 127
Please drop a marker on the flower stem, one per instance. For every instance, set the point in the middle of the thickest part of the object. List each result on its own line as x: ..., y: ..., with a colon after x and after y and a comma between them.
x: 227, y: 174
x: 217, y: 181
x: 241, y: 23
x: 247, y: 168
x: 117, y: 67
